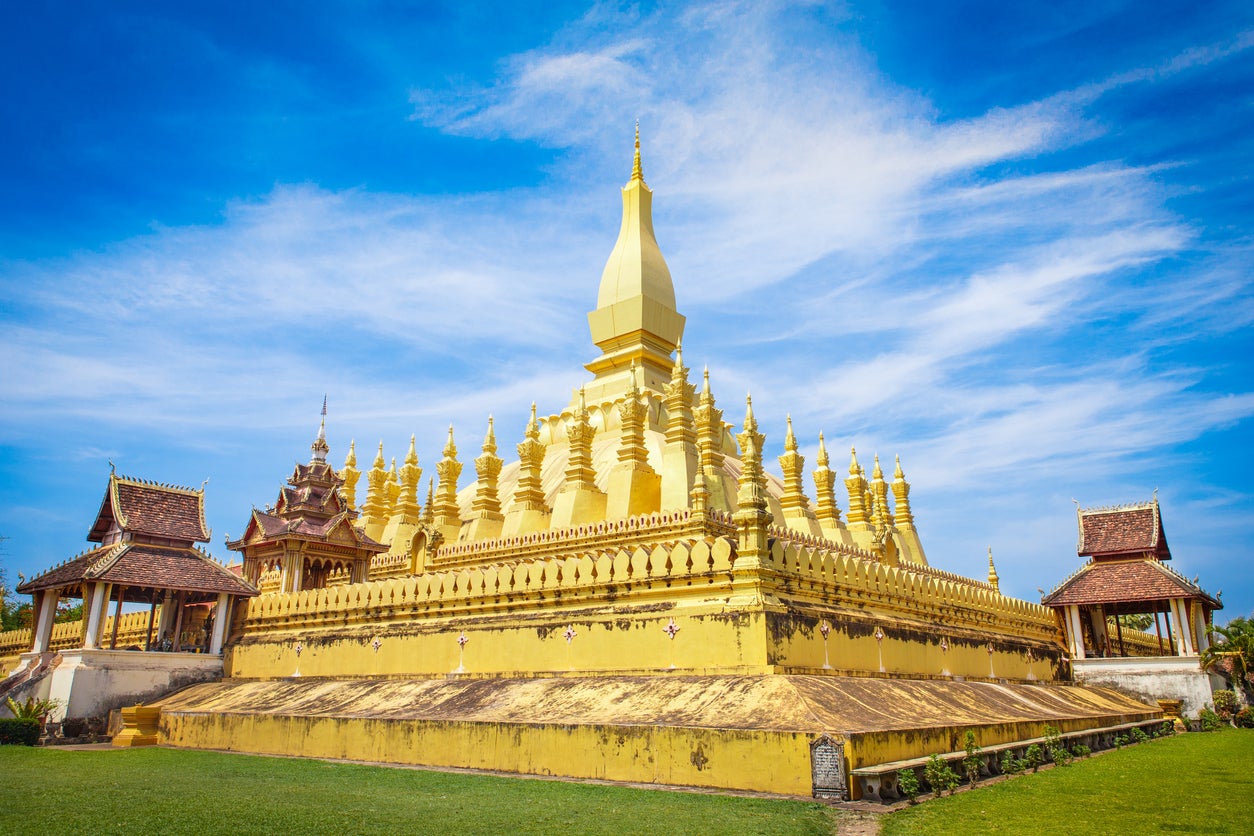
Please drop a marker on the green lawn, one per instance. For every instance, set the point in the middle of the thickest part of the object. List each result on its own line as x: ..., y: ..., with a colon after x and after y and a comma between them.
x: 181, y: 791
x: 1192, y: 783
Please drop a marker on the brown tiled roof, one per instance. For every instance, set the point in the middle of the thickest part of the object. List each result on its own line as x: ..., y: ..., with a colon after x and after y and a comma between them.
x: 1125, y: 530
x: 277, y: 528
x: 148, y: 508
x: 70, y: 572
x: 138, y: 564
x: 1109, y: 582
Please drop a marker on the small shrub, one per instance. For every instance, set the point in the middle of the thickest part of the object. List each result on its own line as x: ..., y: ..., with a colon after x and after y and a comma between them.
x: 939, y: 776
x: 1225, y: 703
x: 908, y: 784
x: 1121, y: 740
x: 19, y: 731
x: 1057, y: 750
x: 32, y: 709
x: 1010, y: 765
x: 973, y: 761
x: 1081, y: 751
x: 1167, y: 730
x: 1033, y: 757
x: 1208, y: 720
x: 1139, y: 735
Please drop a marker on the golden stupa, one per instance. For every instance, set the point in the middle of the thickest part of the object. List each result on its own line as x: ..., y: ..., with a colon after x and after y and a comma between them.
x: 633, y: 598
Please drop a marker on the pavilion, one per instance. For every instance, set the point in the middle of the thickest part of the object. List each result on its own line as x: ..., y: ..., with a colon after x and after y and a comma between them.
x: 147, y: 554
x: 1127, y: 575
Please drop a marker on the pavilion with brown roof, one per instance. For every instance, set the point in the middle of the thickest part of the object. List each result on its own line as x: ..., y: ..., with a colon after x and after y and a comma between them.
x: 1127, y: 575
x: 308, y: 534
x: 148, y: 555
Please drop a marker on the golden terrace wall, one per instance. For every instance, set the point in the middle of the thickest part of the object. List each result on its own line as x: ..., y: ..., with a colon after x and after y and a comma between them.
x: 616, y: 605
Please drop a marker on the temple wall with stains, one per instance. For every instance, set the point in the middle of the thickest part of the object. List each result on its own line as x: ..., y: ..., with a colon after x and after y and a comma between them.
x: 763, y: 761
x: 880, y: 620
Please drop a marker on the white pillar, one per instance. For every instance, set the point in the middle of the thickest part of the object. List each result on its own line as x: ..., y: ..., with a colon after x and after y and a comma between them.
x: 1075, y: 631
x: 1199, y: 628
x: 1179, y: 617
x: 221, y: 617
x: 95, y: 615
x: 45, y: 617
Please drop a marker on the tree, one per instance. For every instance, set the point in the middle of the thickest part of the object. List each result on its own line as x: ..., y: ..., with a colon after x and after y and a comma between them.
x: 1232, y: 652
x: 1133, y: 621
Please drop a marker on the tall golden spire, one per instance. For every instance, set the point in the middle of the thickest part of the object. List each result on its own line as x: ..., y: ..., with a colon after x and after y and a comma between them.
x: 411, y: 474
x: 797, y: 511
x: 375, y: 512
x: 635, y: 318
x: 993, y: 580
x: 350, y: 474
x: 634, y: 486
x: 393, y: 489
x: 827, y: 512
x: 752, y: 516
x: 529, y: 511
x: 447, y: 512
x: 859, y: 519
x: 485, y: 510
x: 428, y: 510
x: 883, y: 515
x: 709, y: 421
x: 679, y: 454
x: 901, y: 497
x: 579, y: 500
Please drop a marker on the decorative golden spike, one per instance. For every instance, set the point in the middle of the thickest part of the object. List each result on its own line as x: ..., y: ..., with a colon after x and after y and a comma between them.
x: 856, y: 485
x: 636, y: 172
x: 350, y: 474
x: 901, y: 498
x: 827, y: 512
x: 428, y: 510
x: 489, y: 439
x: 752, y: 516
x: 796, y: 505
x: 411, y: 474
x: 993, y: 580
x: 447, y: 512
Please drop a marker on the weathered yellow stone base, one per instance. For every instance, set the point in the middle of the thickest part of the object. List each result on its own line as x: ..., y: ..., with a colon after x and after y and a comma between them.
x: 728, y: 732
x: 140, y: 726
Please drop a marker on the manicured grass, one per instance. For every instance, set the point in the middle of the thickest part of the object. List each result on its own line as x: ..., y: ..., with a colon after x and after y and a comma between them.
x: 179, y: 791
x: 1192, y: 783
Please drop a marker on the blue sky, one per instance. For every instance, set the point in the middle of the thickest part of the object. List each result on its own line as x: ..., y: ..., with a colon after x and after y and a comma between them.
x: 1010, y: 242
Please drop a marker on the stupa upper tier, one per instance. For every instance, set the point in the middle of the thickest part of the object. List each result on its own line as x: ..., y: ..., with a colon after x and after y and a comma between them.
x: 636, y: 321
x: 638, y: 439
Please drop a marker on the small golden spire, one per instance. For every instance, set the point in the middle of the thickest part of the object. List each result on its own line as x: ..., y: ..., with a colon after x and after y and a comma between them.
x: 751, y: 423
x: 489, y: 440
x: 897, y: 473
x: 412, y: 456
x: 351, y: 459
x: 993, y: 580
x: 854, y: 467
x: 822, y: 459
x: 705, y: 381
x: 877, y: 473
x: 378, y: 459
x: 533, y: 425
x: 790, y: 440
x: 636, y: 173
x: 428, y: 510
x: 450, y: 449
